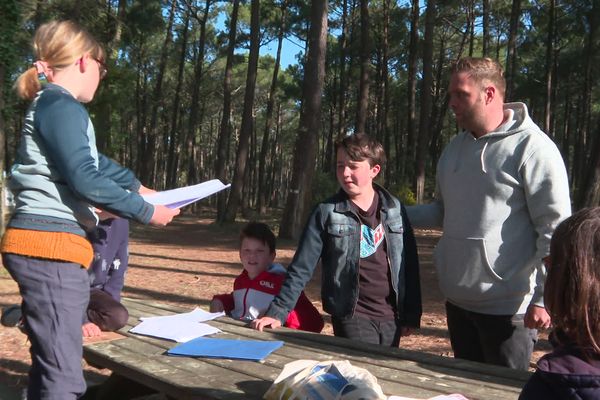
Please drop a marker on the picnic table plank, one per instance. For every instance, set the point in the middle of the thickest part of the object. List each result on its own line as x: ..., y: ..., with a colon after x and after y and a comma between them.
x: 179, y: 377
x: 399, y: 371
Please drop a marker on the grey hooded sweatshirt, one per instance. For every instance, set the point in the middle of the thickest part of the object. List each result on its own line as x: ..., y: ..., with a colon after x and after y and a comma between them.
x: 499, y: 198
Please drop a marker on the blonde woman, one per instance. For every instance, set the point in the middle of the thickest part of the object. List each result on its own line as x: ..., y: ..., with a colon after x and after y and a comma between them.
x: 57, y: 179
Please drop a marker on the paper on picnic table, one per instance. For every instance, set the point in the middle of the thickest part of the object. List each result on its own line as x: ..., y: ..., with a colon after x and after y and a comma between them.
x: 178, y: 327
x: 177, y: 198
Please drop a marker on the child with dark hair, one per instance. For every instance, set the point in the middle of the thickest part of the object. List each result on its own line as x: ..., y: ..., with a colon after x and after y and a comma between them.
x: 370, y: 269
x: 572, y: 298
x: 260, y: 281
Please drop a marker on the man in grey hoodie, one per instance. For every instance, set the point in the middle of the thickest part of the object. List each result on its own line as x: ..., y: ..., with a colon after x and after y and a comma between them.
x: 501, y: 190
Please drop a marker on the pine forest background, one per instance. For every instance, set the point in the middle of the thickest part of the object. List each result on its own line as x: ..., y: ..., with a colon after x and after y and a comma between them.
x: 190, y: 97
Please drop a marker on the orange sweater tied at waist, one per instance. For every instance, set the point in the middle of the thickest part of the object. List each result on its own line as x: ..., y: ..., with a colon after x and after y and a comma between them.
x: 61, y: 246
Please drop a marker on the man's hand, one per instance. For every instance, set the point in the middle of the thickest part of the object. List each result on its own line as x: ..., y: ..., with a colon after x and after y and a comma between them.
x: 89, y: 329
x: 537, y: 318
x: 265, y: 322
x: 216, y: 305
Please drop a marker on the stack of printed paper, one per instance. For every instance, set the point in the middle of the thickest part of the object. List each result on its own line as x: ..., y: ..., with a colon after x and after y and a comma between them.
x: 177, y: 198
x: 178, y: 327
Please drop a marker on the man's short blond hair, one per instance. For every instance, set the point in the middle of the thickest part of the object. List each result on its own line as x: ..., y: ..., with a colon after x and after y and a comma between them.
x: 481, y: 70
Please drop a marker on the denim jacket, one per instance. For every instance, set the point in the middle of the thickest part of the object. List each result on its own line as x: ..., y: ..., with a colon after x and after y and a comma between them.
x: 332, y: 234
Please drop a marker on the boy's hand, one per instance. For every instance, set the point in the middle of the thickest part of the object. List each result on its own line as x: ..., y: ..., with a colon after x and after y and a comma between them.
x: 265, y: 322
x: 216, y: 305
x: 89, y: 329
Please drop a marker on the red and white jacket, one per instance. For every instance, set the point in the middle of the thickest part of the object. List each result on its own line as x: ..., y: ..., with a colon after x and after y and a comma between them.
x: 251, y: 298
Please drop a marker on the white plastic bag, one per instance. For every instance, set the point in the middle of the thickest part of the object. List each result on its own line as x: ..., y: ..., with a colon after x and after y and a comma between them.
x: 326, y: 380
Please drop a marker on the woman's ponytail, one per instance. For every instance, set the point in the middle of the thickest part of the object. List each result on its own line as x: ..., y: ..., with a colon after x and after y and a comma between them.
x: 28, y: 84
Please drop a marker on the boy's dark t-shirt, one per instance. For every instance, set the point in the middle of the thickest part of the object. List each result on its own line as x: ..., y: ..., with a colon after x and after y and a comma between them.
x: 375, y: 295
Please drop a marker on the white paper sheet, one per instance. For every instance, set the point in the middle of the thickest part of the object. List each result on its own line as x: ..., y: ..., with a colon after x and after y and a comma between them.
x: 197, y: 315
x: 178, y: 327
x: 177, y: 198
x: 179, y: 331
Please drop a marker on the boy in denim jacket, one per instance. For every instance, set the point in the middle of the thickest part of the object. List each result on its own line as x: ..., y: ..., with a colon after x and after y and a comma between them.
x: 370, y: 269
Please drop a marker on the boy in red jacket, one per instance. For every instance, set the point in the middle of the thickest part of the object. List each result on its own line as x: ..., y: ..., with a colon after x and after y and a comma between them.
x: 260, y: 282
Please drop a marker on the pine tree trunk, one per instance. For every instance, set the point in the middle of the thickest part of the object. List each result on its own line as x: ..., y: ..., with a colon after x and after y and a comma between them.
x: 386, y: 90
x: 264, y: 148
x: 589, y: 192
x: 511, y: 60
x: 174, y: 139
x: 549, y: 68
x: 411, y: 87
x: 426, y: 100
x: 365, y: 64
x: 342, y: 71
x: 486, y: 28
x: 310, y: 124
x: 225, y: 129
x: 237, y: 184
x: 194, y: 121
x: 149, y: 156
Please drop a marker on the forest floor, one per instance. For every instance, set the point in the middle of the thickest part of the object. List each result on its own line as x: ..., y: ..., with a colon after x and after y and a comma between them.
x: 192, y: 259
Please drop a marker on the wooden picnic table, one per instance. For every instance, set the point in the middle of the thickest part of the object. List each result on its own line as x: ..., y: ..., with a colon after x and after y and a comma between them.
x: 399, y: 372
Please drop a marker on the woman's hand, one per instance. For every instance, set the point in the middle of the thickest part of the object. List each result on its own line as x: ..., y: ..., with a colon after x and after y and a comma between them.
x: 163, y: 215
x: 144, y: 190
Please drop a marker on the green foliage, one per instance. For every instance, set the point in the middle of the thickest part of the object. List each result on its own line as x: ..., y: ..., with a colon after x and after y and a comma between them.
x: 324, y: 185
x: 404, y: 192
x: 9, y: 26
x: 11, y: 49
x: 144, y: 18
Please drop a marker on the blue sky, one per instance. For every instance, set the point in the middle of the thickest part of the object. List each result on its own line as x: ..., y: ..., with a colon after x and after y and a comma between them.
x: 288, y: 51
x: 291, y: 47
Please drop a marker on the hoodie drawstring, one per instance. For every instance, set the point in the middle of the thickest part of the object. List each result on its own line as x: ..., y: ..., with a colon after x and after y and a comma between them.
x: 482, y: 155
x: 460, y: 151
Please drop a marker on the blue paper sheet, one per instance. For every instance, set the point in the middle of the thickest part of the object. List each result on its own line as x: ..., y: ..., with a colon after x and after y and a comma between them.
x: 226, y: 348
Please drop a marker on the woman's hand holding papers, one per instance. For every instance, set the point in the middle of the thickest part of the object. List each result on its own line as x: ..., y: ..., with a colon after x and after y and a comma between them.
x: 144, y: 190
x: 163, y: 215
x: 265, y: 322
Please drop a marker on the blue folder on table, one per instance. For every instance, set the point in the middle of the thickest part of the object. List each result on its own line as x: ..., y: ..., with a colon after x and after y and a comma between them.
x: 226, y: 348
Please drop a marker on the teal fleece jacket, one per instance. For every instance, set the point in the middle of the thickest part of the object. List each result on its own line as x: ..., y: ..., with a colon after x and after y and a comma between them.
x: 499, y: 198
x: 58, y: 173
